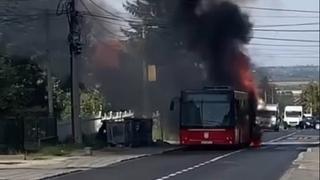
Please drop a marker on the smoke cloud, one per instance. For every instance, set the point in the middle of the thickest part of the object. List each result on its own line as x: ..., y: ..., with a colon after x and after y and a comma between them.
x: 216, y: 30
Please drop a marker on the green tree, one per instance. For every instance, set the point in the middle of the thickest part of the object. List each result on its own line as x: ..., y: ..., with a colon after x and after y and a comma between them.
x: 310, y: 98
x: 23, y: 85
x: 91, y: 101
x: 61, y: 100
x: 153, y: 37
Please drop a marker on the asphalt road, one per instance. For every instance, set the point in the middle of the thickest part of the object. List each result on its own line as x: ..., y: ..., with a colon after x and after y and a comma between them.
x: 267, y: 163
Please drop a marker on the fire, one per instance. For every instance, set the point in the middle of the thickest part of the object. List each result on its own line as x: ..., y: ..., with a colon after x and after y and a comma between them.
x: 106, y: 54
x: 245, y: 75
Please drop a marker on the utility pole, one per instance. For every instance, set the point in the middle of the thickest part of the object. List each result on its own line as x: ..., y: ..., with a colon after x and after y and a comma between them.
x: 144, y: 77
x: 49, y: 73
x: 75, y: 50
x: 272, y: 94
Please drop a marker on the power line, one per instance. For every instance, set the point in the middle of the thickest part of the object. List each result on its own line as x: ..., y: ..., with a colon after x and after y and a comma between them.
x: 286, y: 30
x: 109, y: 21
x: 25, y: 15
x: 278, y: 9
x: 105, y: 28
x: 280, y: 25
x: 284, y: 50
x: 265, y: 16
x: 284, y: 54
x: 281, y: 39
x: 116, y: 18
x: 109, y: 17
x: 105, y: 10
x: 291, y: 57
x: 265, y: 38
x: 139, y: 21
x: 282, y: 45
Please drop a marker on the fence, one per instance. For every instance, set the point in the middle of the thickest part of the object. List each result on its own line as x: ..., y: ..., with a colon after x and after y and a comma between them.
x: 11, y: 135
x: 90, y: 126
x: 27, y: 132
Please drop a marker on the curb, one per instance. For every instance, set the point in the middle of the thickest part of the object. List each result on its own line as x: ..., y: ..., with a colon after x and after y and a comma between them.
x: 119, y: 161
x: 295, y: 165
x: 59, y: 174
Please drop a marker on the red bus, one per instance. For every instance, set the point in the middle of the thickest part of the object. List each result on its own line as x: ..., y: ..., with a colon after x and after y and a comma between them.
x: 216, y: 116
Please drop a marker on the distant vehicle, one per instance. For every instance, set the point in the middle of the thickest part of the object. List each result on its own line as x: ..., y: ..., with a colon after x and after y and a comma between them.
x: 317, y: 123
x: 292, y: 116
x: 307, y: 115
x: 268, y: 116
x: 216, y: 116
x: 307, y: 123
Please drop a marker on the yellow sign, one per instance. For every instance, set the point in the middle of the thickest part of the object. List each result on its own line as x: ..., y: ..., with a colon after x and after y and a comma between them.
x: 152, y: 73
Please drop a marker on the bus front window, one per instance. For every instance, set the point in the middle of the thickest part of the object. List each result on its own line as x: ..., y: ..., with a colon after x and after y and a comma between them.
x: 207, y: 111
x: 216, y: 114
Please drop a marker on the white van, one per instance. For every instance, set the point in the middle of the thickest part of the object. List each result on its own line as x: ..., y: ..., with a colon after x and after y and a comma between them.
x: 292, y: 115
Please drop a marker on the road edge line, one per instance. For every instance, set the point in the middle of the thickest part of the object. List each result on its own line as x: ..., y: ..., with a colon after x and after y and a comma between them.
x: 198, y: 165
x: 113, y: 163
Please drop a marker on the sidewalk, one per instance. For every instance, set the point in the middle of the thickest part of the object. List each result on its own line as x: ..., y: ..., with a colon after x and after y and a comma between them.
x: 18, y: 169
x: 305, y: 167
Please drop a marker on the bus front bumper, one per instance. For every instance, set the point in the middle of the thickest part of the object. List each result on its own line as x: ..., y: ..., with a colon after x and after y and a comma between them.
x: 207, y: 137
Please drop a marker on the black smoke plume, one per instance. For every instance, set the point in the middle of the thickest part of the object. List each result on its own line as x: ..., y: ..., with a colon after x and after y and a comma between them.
x: 216, y: 30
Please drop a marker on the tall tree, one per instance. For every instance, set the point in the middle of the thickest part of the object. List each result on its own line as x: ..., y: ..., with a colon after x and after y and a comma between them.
x: 152, y: 31
x: 310, y: 99
x: 153, y: 38
x: 23, y: 85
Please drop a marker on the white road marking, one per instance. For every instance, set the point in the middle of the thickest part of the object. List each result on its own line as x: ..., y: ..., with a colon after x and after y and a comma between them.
x: 273, y: 141
x: 198, y: 165
x: 291, y: 143
x: 282, y: 137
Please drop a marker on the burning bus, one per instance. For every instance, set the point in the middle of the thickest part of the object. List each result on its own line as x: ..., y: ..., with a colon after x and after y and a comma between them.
x: 216, y: 116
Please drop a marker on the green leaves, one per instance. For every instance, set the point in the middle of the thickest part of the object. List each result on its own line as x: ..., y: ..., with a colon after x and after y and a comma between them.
x: 310, y: 98
x: 92, y: 102
x: 22, y: 85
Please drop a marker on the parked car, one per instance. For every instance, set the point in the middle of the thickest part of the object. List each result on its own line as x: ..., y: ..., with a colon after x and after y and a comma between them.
x: 309, y: 123
x: 317, y: 123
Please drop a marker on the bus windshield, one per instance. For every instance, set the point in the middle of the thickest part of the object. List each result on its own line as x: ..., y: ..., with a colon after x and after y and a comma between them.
x: 207, y: 110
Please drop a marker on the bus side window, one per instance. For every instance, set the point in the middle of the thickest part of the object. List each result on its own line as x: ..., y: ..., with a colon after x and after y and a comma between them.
x: 242, y: 110
x: 237, y: 110
x: 246, y: 109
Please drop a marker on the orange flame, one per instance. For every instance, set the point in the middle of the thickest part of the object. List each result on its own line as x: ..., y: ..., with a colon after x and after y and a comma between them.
x: 245, y: 74
x: 106, y: 54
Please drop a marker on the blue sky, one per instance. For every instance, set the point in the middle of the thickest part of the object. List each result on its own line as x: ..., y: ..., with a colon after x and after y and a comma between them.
x: 278, y: 54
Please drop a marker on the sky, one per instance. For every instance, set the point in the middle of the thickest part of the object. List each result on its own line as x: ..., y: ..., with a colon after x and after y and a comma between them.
x: 275, y: 52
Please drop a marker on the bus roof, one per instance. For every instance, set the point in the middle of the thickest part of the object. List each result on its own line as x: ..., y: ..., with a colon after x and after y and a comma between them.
x: 233, y: 93
x: 214, y: 89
